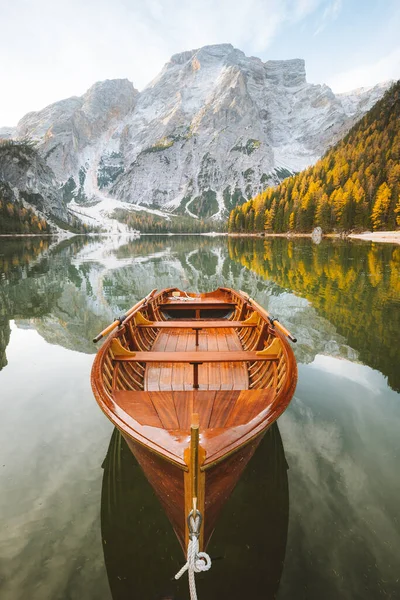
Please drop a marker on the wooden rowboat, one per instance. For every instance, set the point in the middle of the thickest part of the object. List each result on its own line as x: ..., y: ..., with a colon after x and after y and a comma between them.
x: 193, y: 381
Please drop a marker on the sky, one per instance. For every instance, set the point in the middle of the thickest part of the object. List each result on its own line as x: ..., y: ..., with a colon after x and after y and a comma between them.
x: 52, y: 50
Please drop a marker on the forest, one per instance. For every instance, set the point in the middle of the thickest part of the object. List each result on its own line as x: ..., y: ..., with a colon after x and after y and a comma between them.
x: 354, y: 187
x: 16, y: 218
x: 151, y: 223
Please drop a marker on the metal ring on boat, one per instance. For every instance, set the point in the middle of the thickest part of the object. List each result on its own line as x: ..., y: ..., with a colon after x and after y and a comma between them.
x: 194, y: 523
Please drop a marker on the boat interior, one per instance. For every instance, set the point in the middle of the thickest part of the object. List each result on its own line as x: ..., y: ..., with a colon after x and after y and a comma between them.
x: 182, y: 354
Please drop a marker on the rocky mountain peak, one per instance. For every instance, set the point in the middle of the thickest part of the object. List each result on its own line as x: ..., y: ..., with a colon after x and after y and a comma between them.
x: 211, y: 52
x: 101, y: 99
x: 70, y: 129
x: 111, y: 94
x: 288, y: 73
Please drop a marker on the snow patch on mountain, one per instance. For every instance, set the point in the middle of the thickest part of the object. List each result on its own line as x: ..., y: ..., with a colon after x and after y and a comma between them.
x: 100, y: 213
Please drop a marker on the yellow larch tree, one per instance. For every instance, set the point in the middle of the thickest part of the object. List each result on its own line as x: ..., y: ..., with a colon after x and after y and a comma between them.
x: 381, y: 206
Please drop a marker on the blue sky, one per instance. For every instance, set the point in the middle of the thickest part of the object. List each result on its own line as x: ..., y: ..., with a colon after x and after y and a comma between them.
x: 52, y: 50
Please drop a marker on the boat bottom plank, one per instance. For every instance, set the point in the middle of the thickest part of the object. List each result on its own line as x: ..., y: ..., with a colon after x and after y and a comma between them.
x: 177, y: 376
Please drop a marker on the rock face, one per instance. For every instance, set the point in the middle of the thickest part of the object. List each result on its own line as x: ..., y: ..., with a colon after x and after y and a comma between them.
x: 78, y: 133
x: 25, y: 175
x: 212, y: 129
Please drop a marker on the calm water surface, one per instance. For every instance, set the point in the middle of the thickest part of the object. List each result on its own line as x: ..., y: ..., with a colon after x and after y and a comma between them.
x: 317, y: 512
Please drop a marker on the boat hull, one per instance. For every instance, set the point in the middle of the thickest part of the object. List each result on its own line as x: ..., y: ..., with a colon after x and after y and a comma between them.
x: 138, y: 540
x: 168, y: 482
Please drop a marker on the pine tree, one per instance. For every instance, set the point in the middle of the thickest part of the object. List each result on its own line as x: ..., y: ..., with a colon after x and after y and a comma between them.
x: 379, y: 215
x: 323, y: 214
x: 269, y: 217
x: 397, y: 211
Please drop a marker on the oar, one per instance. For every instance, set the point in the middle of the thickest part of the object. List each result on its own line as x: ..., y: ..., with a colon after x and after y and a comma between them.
x: 274, y: 322
x: 120, y: 320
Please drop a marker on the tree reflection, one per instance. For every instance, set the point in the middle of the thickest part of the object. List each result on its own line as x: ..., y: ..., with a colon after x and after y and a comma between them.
x: 356, y: 286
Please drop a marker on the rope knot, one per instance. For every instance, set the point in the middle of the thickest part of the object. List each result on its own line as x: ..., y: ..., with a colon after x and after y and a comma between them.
x: 202, y: 562
x: 196, y: 561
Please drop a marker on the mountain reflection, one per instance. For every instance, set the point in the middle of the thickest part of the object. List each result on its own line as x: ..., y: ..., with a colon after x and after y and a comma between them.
x: 337, y: 297
x: 355, y: 286
x: 33, y: 272
x: 138, y: 540
x: 21, y: 292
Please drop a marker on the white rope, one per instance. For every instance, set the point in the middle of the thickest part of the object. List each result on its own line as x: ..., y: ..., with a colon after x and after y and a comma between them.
x: 196, y: 561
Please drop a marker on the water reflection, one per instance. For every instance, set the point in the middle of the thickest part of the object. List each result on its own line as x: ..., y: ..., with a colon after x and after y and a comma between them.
x: 354, y: 286
x: 41, y: 288
x: 52, y: 441
x: 250, y: 537
x: 341, y: 298
x: 342, y: 444
x: 340, y: 432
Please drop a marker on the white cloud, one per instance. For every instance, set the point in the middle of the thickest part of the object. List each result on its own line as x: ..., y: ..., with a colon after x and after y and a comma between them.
x: 387, y: 67
x: 330, y: 13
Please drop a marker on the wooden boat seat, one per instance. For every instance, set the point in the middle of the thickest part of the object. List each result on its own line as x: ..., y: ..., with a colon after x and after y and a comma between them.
x: 209, y: 305
x: 195, y: 324
x: 173, y: 410
x: 194, y: 358
x: 182, y: 306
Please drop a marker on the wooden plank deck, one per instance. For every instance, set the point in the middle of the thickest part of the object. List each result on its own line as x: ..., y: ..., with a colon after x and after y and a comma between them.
x: 178, y: 376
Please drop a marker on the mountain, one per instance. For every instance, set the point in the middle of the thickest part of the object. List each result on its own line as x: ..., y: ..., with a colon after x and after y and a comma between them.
x: 73, y: 133
x: 27, y: 180
x: 210, y: 131
x: 356, y: 185
x: 30, y: 197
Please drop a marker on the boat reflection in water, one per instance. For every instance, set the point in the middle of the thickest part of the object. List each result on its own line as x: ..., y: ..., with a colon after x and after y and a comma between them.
x: 142, y: 553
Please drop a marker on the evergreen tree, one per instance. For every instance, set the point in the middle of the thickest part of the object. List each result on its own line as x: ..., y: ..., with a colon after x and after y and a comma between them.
x: 397, y: 211
x: 381, y: 207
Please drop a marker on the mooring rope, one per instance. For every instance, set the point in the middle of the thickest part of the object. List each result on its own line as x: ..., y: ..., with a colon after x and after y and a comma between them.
x: 196, y: 561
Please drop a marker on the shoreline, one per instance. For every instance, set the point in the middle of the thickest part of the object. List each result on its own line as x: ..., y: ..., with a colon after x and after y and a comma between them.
x: 109, y: 234
x: 384, y: 237
x: 285, y: 235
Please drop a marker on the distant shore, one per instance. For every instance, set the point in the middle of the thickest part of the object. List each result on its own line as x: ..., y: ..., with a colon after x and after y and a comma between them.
x: 261, y: 235
x: 391, y: 237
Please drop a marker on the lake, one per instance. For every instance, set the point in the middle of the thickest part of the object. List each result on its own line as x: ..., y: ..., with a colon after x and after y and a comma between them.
x: 317, y: 512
